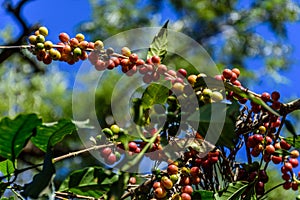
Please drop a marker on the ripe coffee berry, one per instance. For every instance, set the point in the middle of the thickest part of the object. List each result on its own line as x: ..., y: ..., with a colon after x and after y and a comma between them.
x: 236, y: 71
x: 132, y: 180
x: 275, y: 95
x: 172, y: 169
x: 64, y: 37
x: 227, y: 73
x: 294, y: 162
x: 276, y: 159
x: 265, y: 97
x: 182, y: 72
x: 111, y: 159
x: 133, y: 58
x: 187, y: 189
x: 155, y: 59
x: 185, y: 196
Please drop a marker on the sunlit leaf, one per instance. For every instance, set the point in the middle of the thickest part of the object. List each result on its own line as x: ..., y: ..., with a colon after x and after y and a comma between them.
x: 14, y: 134
x: 203, y: 195
x: 294, y: 141
x: 92, y: 181
x: 7, y: 167
x: 154, y: 94
x: 158, y: 47
x: 52, y: 133
x: 232, y: 192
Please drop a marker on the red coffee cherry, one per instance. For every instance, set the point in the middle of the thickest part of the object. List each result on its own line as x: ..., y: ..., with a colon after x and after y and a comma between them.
x: 294, y: 162
x: 294, y: 186
x: 275, y: 95
x: 195, y: 171
x: 111, y: 159
x: 276, y: 159
x: 187, y: 189
x: 270, y: 149
x: 155, y: 59
x: 236, y: 71
x: 132, y: 146
x: 227, y: 73
x: 105, y: 152
x: 287, y: 185
x: 286, y: 177
x: 185, y: 196
x: 156, y: 185
x: 132, y: 180
x: 133, y: 58
x: 285, y: 145
x: 172, y: 169
x: 160, y: 192
x: 265, y: 97
x: 182, y: 72
x: 288, y: 166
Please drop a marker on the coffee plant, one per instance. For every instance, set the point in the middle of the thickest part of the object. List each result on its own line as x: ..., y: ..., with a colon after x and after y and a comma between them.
x: 195, y: 165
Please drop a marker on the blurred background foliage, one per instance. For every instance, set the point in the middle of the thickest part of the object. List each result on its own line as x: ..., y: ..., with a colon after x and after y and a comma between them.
x: 228, y: 29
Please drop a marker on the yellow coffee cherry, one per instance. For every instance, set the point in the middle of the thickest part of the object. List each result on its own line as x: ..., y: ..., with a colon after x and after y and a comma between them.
x: 43, y: 31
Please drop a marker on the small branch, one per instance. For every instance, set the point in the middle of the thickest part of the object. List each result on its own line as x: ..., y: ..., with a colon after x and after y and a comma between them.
x: 76, y: 153
x: 290, y: 107
x: 64, y: 195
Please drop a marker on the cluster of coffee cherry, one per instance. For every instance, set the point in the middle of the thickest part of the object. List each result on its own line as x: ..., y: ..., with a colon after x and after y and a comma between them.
x: 69, y: 50
x: 258, y: 127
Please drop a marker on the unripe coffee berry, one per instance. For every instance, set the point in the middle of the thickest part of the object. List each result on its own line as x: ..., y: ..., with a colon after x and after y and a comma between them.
x: 79, y: 37
x: 43, y: 31
x: 125, y: 51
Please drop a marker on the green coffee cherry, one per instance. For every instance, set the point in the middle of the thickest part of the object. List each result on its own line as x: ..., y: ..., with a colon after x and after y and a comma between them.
x: 115, y: 128
x: 107, y: 132
x: 40, y: 46
x: 77, y: 51
x: 40, y: 38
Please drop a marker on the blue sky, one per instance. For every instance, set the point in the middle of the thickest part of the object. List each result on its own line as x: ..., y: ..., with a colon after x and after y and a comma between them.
x: 65, y: 16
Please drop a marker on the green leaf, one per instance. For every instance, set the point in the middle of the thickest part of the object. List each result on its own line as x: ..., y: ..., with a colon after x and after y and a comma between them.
x: 282, y: 152
x: 289, y: 126
x: 158, y: 47
x: 92, y: 181
x: 42, y: 183
x: 15, y: 133
x: 6, y: 198
x: 294, y: 141
x: 203, y: 195
x: 7, y: 167
x: 227, y: 137
x: 154, y: 94
x: 251, y: 97
x: 232, y: 192
x: 52, y: 133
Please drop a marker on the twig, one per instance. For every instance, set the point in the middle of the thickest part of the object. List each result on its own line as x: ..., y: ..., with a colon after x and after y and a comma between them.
x: 71, y: 195
x: 75, y: 153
